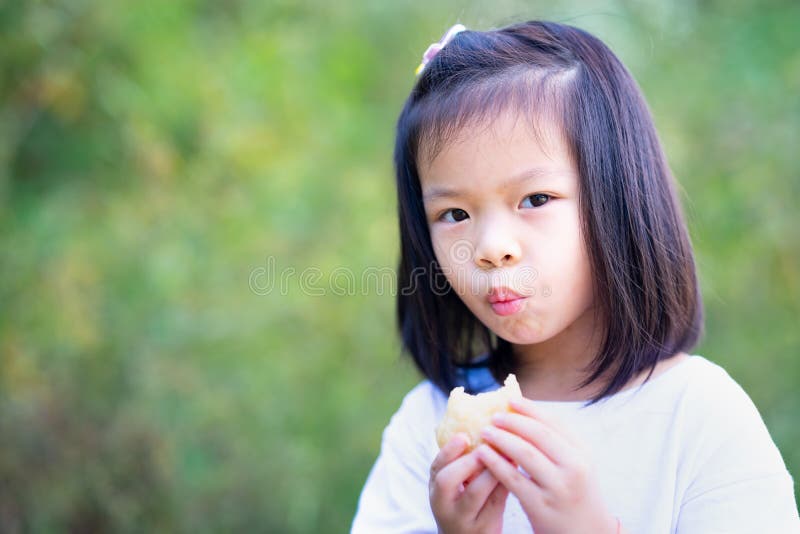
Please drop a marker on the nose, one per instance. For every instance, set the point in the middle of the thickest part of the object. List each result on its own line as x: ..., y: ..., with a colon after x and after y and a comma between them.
x: 497, y: 246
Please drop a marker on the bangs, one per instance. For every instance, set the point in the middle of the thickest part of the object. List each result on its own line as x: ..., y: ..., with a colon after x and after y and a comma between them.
x: 538, y: 96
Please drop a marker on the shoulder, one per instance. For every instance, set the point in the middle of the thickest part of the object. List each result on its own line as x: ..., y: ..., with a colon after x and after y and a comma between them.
x: 715, y: 398
x: 718, y: 398
x: 410, y: 437
x: 395, y: 495
x: 726, y: 423
x: 728, y: 460
x: 420, y: 408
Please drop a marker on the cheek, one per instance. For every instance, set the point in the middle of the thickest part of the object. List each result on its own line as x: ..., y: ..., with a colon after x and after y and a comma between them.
x: 439, y: 251
x: 567, y: 272
x: 576, y: 276
x: 455, y: 257
x: 452, y: 254
x: 439, y: 246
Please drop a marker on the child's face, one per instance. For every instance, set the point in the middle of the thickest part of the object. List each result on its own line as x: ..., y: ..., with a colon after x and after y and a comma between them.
x: 506, y: 227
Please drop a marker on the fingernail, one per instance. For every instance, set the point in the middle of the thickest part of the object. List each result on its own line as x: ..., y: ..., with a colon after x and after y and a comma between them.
x: 487, y: 433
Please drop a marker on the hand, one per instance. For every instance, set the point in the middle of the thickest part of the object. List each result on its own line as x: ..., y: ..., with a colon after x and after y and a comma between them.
x: 465, y: 497
x: 559, y: 493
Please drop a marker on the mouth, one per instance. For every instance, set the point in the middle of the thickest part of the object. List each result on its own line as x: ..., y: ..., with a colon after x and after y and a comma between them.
x: 505, y: 301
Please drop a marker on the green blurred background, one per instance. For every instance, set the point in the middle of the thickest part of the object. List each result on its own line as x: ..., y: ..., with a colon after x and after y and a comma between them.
x: 160, y: 161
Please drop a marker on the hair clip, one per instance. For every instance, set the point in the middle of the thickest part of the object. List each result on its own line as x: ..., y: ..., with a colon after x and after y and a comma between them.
x: 434, y: 48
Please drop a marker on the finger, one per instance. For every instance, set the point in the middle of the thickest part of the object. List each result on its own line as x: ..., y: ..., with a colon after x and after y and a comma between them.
x: 542, y: 436
x: 495, y: 502
x: 508, y: 475
x: 475, y: 495
x: 529, y: 408
x: 450, y: 479
x: 472, y: 477
x: 451, y: 450
x: 536, y: 464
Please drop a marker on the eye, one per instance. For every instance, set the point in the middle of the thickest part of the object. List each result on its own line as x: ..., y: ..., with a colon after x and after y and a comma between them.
x: 458, y: 215
x: 535, y: 200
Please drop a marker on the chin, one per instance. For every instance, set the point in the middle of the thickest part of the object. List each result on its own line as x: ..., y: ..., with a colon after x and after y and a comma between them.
x: 526, y: 340
x: 520, y: 334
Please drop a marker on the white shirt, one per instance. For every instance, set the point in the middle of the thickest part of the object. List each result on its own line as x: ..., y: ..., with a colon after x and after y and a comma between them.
x: 686, y: 452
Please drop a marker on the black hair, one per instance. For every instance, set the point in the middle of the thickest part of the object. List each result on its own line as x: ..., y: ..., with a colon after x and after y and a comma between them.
x: 639, y: 249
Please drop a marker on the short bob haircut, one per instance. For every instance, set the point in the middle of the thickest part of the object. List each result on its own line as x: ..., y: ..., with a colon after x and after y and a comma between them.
x: 638, y: 246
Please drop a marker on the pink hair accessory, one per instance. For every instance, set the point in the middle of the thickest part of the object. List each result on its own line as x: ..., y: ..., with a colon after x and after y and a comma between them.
x: 434, y: 48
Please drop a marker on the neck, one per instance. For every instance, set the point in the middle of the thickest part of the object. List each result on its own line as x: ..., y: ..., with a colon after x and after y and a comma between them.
x: 554, y: 369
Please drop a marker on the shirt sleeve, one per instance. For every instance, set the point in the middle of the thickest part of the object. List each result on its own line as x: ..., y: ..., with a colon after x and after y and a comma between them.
x: 740, y: 483
x: 395, y: 497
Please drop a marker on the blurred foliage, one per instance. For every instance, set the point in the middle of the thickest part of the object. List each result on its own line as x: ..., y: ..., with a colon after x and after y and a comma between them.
x: 155, y: 156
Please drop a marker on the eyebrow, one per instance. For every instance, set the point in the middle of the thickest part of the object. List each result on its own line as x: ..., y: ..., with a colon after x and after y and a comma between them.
x: 524, y: 176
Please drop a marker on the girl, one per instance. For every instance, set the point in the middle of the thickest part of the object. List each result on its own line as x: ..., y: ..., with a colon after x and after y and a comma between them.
x: 541, y: 235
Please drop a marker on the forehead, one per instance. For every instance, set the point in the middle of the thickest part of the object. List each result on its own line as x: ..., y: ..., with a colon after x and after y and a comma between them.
x: 495, y: 150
